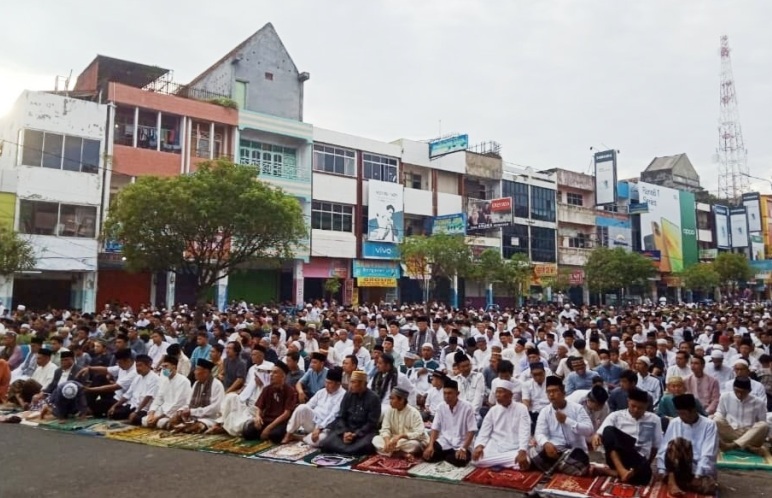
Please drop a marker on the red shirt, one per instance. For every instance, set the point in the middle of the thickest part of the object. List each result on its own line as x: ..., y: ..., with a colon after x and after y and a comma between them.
x: 274, y: 401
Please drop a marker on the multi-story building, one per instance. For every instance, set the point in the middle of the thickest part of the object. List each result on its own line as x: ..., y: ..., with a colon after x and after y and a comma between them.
x: 52, y: 174
x: 676, y: 172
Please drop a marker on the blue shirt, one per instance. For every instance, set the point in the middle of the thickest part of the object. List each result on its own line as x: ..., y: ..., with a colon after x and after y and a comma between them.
x: 200, y: 352
x: 312, y: 381
x: 574, y: 381
x: 609, y: 374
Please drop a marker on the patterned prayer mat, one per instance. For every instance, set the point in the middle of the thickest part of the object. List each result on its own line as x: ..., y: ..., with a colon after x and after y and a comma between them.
x: 291, y: 452
x: 104, y: 428
x: 505, y: 478
x: 72, y: 424
x: 133, y: 435
x: 238, y: 446
x: 167, y: 439
x: 659, y: 490
x: 201, y: 442
x: 743, y: 460
x: 386, y: 465
x: 442, y: 471
x: 330, y: 460
x: 610, y: 487
x: 565, y: 485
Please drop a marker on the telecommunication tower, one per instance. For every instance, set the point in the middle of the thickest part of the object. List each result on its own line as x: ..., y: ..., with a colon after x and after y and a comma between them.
x: 732, y: 156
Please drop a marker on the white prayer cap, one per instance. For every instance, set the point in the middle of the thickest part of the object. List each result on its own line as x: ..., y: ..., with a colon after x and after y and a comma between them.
x: 21, y: 307
x: 717, y: 355
x: 427, y: 345
x: 644, y: 359
x: 70, y: 390
x: 297, y: 345
x: 361, y: 326
x: 739, y: 361
x: 661, y: 342
x: 504, y: 384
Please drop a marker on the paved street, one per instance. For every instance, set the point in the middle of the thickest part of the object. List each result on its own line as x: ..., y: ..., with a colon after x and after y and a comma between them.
x: 37, y: 463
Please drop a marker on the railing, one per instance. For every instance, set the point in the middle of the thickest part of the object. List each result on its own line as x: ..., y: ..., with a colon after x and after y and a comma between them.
x: 166, y: 86
x: 489, y: 148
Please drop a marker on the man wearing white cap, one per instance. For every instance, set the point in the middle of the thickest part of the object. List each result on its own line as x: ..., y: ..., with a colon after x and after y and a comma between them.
x: 505, y: 432
x: 648, y: 382
x: 717, y: 369
x: 741, y: 369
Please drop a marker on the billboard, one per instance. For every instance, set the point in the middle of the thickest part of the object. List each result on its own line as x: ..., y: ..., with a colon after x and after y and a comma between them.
x: 619, y: 232
x: 487, y: 214
x: 379, y: 250
x: 757, y: 247
x: 721, y: 217
x: 375, y: 269
x: 605, y: 177
x: 451, y: 224
x: 752, y: 204
x: 447, y: 145
x: 385, y: 221
x: 670, y: 226
x: 738, y: 221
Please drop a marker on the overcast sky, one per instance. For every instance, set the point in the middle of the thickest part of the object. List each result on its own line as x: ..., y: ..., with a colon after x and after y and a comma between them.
x: 547, y: 79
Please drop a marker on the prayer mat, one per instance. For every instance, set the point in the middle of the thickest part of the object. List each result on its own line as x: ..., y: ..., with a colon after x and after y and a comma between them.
x: 166, y: 439
x: 200, y: 442
x: 72, y: 424
x: 386, y: 465
x: 505, y: 478
x: 565, y: 485
x: 104, y: 428
x: 291, y: 452
x: 442, y: 471
x: 239, y: 446
x: 330, y: 460
x: 659, y: 490
x: 743, y: 460
x: 610, y: 487
x: 133, y: 435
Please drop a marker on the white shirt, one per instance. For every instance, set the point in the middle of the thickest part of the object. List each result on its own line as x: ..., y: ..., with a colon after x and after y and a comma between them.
x: 647, y: 430
x: 676, y: 371
x: 157, y: 352
x: 142, y: 387
x: 725, y: 374
x: 504, y: 429
x: 651, y: 385
x: 251, y: 390
x: 472, y: 389
x: 212, y: 410
x: 741, y: 414
x: 757, y: 389
x: 325, y: 406
x: 44, y: 375
x: 401, y: 344
x: 64, y: 377
x: 536, y: 394
x: 454, y: 424
x: 363, y: 356
x: 434, y: 398
x: 703, y: 435
x: 572, y: 433
x: 173, y: 394
x: 123, y: 378
x: 341, y: 347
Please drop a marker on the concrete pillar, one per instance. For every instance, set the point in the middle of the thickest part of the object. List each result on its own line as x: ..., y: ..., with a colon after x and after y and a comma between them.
x: 585, y: 294
x: 489, y: 295
x: 153, y: 289
x: 297, y: 282
x: 88, y: 296
x: 678, y: 294
x: 6, y: 292
x: 171, y: 282
x: 454, y: 291
x: 222, y: 293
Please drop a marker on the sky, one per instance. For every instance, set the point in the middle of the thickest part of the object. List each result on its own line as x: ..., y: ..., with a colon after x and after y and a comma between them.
x: 547, y: 79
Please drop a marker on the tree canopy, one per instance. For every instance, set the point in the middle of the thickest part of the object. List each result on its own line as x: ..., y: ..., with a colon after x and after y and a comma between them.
x: 701, y: 277
x: 206, y: 223
x: 614, y: 269
x: 16, y: 253
x: 733, y: 267
x: 438, y: 256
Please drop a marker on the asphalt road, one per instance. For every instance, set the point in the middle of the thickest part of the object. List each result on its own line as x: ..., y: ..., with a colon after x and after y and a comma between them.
x: 35, y: 463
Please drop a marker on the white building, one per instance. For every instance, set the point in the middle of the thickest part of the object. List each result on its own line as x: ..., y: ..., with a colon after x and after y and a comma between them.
x: 51, y: 177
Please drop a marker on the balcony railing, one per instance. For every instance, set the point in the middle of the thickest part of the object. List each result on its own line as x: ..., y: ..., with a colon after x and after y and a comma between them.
x: 167, y: 86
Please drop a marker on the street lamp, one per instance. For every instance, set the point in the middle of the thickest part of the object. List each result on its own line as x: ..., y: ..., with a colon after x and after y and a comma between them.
x: 758, y: 178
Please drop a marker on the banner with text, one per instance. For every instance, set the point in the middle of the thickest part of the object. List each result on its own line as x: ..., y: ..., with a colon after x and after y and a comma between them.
x: 385, y: 212
x: 486, y: 214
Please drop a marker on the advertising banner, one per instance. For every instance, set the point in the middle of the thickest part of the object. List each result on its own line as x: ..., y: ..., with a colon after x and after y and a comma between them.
x: 376, y: 282
x: 752, y: 204
x: 670, y: 226
x: 385, y: 212
x: 377, y: 269
x: 738, y: 221
x: 605, y: 177
x: 620, y: 232
x: 447, y: 145
x: 721, y: 215
x: 379, y: 250
x: 487, y: 214
x: 757, y: 247
x: 451, y: 224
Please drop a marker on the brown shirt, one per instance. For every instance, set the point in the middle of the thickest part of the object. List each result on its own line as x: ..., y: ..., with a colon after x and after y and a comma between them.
x: 274, y: 401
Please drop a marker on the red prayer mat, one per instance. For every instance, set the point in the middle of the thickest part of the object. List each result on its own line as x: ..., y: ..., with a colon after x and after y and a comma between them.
x: 610, y: 487
x: 386, y: 465
x: 565, y: 485
x: 659, y: 490
x: 505, y: 478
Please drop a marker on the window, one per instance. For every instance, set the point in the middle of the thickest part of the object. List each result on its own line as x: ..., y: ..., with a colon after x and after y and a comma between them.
x: 573, y: 199
x: 55, y: 151
x: 332, y: 217
x: 52, y: 218
x: 514, y: 240
x: 269, y: 76
x: 412, y: 180
x: 543, y: 244
x: 580, y: 241
x: 334, y: 160
x: 147, y: 129
x: 272, y: 160
x: 543, y: 204
x: 379, y: 168
x: 519, y: 194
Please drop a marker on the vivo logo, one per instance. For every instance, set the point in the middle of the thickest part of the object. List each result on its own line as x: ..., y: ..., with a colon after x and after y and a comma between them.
x: 386, y: 251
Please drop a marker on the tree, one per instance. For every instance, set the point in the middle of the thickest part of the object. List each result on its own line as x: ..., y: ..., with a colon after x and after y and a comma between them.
x: 207, y: 224
x: 434, y: 257
x: 16, y: 253
x: 515, y: 273
x: 331, y: 287
x: 733, y: 267
x: 486, y: 269
x: 701, y: 277
x: 616, y: 269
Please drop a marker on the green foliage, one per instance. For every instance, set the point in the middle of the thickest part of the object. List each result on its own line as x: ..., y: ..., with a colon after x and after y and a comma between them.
x: 224, y: 102
x: 16, y: 253
x: 733, y: 267
x: 487, y: 267
x: 515, y: 274
x: 615, y: 269
x: 332, y: 285
x: 207, y: 223
x: 434, y: 257
x: 701, y: 277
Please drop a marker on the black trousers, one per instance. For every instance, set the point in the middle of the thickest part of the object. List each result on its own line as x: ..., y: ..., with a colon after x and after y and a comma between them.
x: 449, y: 456
x: 100, y: 404
x: 124, y: 411
x: 615, y: 440
x: 275, y: 436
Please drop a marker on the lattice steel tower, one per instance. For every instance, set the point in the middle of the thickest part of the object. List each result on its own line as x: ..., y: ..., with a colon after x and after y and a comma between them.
x: 732, y: 156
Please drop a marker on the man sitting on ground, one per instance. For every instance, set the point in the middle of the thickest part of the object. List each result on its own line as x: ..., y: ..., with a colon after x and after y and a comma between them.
x: 203, y: 407
x: 319, y: 413
x: 353, y: 431
x: 453, y: 428
x: 402, y: 429
x: 741, y: 418
x: 136, y: 401
x: 273, y: 408
x: 173, y: 392
x: 505, y: 432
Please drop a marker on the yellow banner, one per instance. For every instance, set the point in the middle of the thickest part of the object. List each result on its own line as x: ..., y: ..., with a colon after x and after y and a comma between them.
x: 376, y: 282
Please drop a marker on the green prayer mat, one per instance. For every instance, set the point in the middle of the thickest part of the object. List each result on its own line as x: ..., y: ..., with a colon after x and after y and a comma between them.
x: 201, y: 442
x: 743, y: 460
x: 442, y: 471
x: 71, y: 424
x: 238, y: 446
x: 104, y: 428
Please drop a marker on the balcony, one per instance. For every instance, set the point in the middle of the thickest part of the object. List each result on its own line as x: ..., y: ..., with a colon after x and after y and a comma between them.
x: 576, y: 215
x: 573, y: 256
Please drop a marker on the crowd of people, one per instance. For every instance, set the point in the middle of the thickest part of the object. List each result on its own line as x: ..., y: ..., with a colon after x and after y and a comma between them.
x: 658, y: 389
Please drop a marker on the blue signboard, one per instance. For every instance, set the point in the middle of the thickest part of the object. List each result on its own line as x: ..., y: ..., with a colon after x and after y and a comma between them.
x: 638, y: 208
x: 448, y: 145
x: 380, y: 250
x: 113, y: 246
x: 375, y: 269
x: 451, y: 224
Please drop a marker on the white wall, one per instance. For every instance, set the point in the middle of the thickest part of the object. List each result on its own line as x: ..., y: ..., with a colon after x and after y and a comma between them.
x: 449, y: 204
x: 418, y: 202
x: 454, y: 163
x: 328, y: 244
x: 71, y: 187
x: 56, y: 113
x: 64, y: 253
x: 357, y: 143
x: 414, y: 152
x: 332, y: 188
